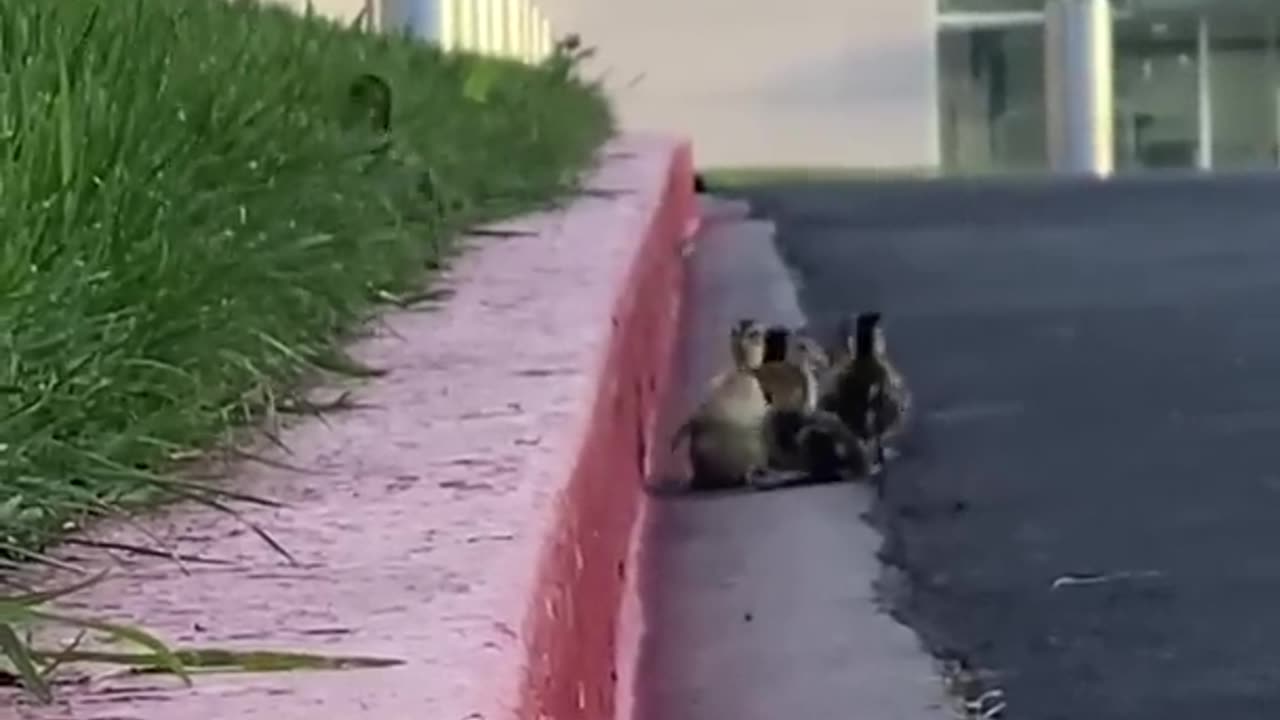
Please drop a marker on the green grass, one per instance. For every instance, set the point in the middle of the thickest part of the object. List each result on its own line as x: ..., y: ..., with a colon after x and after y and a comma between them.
x: 34, y: 669
x: 193, y: 222
x: 189, y: 222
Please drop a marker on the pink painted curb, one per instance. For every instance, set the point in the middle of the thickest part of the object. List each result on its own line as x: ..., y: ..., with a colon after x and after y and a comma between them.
x: 572, y: 675
x: 475, y: 522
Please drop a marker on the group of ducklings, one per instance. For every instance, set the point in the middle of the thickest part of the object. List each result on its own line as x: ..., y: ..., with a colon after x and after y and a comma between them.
x: 787, y: 412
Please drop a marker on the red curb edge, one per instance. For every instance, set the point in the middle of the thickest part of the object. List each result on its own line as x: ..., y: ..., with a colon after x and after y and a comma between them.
x: 572, y: 619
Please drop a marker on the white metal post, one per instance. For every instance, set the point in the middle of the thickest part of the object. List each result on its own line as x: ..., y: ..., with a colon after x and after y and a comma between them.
x: 1204, y: 96
x: 1272, y: 87
x: 1079, y: 86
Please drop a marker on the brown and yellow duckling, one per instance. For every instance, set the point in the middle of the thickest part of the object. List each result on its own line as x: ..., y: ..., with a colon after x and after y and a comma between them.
x: 726, y: 431
x: 865, y: 389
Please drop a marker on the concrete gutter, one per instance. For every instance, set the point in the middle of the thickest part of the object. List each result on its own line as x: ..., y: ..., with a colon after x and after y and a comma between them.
x: 766, y: 606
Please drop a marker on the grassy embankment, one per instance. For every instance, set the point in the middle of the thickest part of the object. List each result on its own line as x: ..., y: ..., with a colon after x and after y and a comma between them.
x: 192, y: 219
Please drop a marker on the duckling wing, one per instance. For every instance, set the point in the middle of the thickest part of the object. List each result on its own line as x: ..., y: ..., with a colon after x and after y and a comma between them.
x: 897, y: 400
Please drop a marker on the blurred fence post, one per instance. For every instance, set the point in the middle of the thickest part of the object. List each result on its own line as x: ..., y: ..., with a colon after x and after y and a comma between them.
x: 467, y: 25
x: 511, y: 29
x: 544, y: 38
x: 448, y: 24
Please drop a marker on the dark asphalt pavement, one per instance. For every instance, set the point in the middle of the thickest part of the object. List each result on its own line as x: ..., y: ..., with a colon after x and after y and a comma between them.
x: 1098, y: 373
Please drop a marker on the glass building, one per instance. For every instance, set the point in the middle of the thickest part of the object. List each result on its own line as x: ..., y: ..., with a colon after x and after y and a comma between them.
x: 1125, y: 85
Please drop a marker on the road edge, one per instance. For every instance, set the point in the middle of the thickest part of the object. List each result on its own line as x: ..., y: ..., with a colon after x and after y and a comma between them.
x: 582, y: 619
x: 896, y: 672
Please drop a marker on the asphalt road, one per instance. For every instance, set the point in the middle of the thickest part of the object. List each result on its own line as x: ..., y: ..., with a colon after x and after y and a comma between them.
x: 1098, y: 374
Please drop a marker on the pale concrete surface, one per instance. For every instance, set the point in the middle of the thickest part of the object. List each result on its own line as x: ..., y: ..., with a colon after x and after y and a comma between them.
x: 824, y: 83
x: 761, y: 606
x: 419, y: 522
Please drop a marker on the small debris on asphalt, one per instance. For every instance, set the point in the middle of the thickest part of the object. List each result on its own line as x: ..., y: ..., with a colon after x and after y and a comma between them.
x: 1098, y: 578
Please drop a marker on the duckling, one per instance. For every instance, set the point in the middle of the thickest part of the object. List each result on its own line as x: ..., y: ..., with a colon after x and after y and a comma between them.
x: 369, y: 105
x: 865, y: 389
x: 812, y: 349
x: 785, y: 381
x: 792, y: 364
x: 896, y: 411
x: 806, y: 444
x: 726, y: 431
x: 369, y: 98
x: 781, y: 374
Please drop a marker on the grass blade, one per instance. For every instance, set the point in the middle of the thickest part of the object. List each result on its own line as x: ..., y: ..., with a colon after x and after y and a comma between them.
x: 163, y: 654
x: 19, y: 655
x: 46, y: 596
